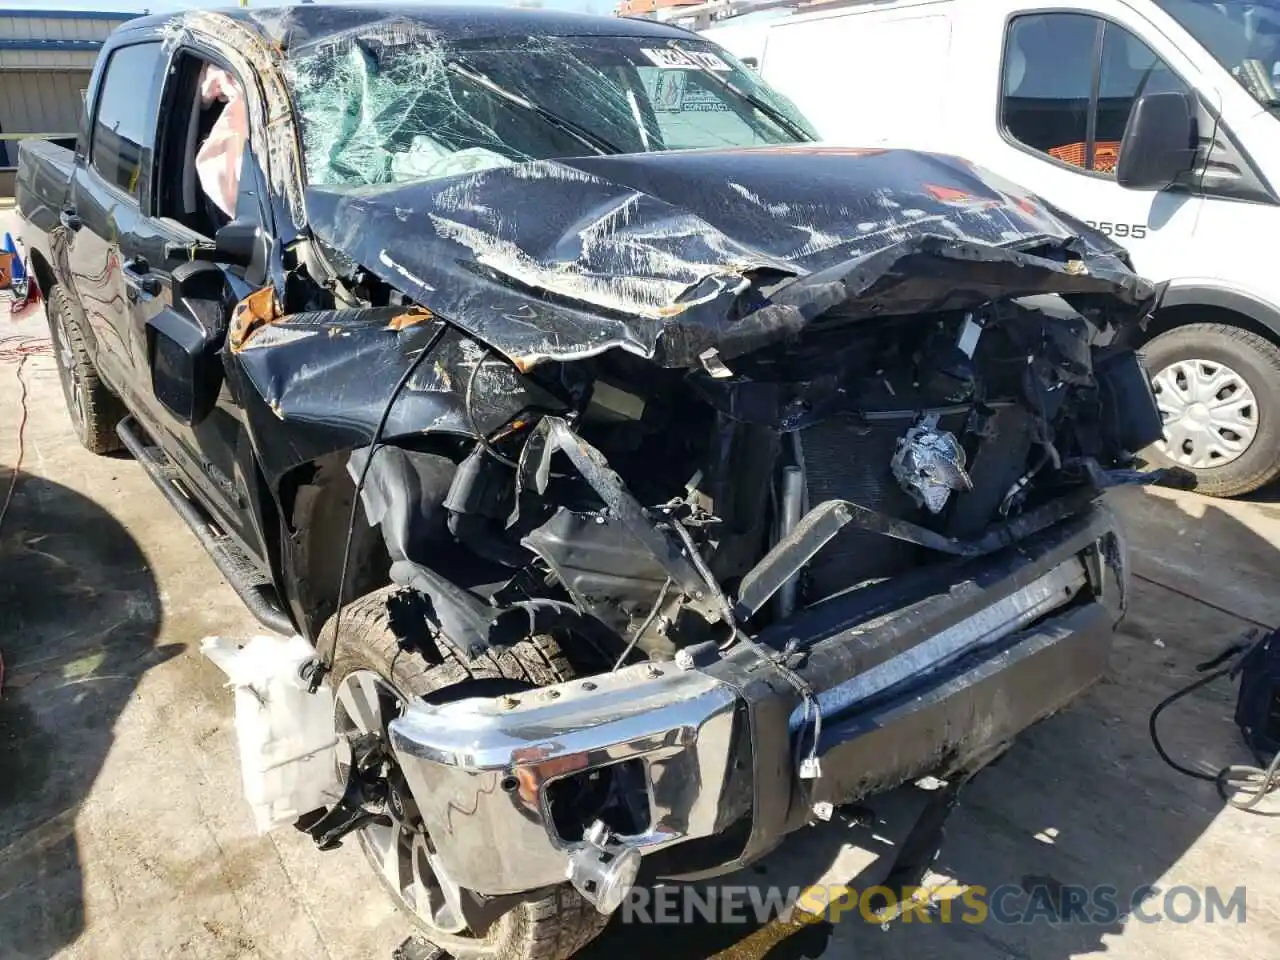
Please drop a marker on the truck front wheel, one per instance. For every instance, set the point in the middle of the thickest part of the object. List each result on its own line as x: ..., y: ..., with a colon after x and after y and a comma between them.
x: 373, y: 678
x: 1218, y: 390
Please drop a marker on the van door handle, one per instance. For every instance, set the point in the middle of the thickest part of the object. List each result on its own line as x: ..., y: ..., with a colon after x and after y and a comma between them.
x: 70, y: 219
x: 138, y: 276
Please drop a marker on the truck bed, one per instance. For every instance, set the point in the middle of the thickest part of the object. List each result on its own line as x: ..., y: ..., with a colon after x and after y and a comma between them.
x: 44, y: 173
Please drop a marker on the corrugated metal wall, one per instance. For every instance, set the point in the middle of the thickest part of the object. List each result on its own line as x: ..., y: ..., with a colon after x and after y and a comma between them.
x: 30, y: 42
x: 39, y: 101
x: 46, y: 58
x: 54, y: 27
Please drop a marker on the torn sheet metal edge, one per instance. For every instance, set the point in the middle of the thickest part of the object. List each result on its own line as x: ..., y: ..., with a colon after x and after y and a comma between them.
x: 557, y: 435
x: 284, y: 733
x: 678, y: 338
x: 683, y: 302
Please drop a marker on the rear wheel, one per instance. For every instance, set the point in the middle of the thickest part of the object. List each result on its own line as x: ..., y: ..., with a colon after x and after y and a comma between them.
x: 373, y: 679
x: 1218, y: 390
x: 95, y: 411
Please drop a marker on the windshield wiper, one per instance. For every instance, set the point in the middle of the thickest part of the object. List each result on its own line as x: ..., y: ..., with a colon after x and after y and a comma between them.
x: 764, y: 106
x: 580, y: 133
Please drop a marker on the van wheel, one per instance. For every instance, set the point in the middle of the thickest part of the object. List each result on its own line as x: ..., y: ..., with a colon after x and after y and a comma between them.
x: 373, y: 678
x: 1218, y: 389
x: 95, y: 410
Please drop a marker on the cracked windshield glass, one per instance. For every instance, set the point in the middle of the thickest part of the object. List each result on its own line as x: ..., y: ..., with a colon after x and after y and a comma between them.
x: 392, y: 105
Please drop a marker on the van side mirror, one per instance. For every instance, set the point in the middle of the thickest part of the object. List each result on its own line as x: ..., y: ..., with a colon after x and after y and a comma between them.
x: 1159, y: 143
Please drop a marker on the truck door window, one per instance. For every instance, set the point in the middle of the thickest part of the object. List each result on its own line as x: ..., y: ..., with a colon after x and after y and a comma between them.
x: 1069, y: 84
x: 124, y: 127
x: 202, y: 145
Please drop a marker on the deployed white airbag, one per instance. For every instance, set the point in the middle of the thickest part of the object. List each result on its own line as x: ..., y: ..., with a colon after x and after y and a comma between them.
x: 218, y: 160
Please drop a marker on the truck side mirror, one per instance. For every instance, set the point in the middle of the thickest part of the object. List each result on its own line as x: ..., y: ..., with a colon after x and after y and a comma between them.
x: 238, y: 242
x: 1159, y: 142
x: 245, y: 244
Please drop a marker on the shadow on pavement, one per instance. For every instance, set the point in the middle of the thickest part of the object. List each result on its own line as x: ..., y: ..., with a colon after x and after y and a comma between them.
x: 79, y: 618
x: 1081, y: 801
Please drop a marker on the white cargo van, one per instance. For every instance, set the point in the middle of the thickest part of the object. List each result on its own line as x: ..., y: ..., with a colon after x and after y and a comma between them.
x: 1157, y: 121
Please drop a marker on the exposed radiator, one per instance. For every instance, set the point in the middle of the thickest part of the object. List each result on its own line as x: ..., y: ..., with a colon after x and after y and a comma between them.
x: 849, y: 461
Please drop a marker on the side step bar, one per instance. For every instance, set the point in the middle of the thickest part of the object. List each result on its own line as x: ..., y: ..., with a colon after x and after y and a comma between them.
x: 246, y: 579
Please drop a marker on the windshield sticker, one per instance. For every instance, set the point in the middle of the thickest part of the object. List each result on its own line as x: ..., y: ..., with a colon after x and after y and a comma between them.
x: 669, y: 58
x: 667, y: 92
x: 672, y: 93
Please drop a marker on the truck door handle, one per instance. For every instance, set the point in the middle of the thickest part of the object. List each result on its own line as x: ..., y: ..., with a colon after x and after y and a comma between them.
x: 138, y: 277
x: 70, y: 219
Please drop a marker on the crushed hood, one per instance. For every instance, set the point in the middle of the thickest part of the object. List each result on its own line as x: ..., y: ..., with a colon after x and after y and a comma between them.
x: 668, y: 254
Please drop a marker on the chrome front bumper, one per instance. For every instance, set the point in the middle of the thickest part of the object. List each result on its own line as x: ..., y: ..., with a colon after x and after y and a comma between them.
x: 1014, y: 639
x: 479, y: 769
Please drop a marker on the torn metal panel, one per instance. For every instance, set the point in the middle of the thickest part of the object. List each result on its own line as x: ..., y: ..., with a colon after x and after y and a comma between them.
x: 325, y: 377
x: 606, y: 571
x: 668, y: 553
x: 668, y: 254
x: 257, y: 310
x: 821, y: 524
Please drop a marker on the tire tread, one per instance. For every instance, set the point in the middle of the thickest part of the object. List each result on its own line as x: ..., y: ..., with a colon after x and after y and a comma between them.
x: 560, y: 923
x: 1250, y: 471
x: 103, y: 411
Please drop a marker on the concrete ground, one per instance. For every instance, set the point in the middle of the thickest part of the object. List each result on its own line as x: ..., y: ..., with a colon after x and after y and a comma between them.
x: 123, y: 833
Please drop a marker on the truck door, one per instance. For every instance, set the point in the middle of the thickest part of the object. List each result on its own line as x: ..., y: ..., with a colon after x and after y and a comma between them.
x: 1067, y: 83
x: 176, y: 308
x: 101, y: 215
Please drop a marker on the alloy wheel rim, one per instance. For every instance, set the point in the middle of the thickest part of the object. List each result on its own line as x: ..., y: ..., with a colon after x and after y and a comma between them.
x: 1209, y: 411
x: 67, y: 371
x: 399, y: 849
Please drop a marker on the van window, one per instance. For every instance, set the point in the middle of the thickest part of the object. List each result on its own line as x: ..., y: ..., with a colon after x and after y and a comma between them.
x: 1242, y: 35
x: 1069, y: 85
x: 1129, y: 69
x: 1048, y: 83
x: 124, y: 129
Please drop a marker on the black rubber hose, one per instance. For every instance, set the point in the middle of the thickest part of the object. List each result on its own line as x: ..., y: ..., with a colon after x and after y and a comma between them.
x: 325, y: 658
x: 1251, y: 782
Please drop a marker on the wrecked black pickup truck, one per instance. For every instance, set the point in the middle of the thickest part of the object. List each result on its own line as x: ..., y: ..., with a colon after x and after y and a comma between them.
x: 682, y: 479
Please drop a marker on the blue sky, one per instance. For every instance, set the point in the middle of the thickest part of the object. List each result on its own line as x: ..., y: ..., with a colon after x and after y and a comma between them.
x: 160, y: 6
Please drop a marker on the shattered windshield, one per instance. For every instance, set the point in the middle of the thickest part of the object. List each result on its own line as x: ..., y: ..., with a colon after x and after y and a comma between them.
x: 403, y: 105
x: 1242, y: 35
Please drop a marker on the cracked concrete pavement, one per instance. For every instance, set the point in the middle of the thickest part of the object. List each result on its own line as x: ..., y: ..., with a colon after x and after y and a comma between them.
x: 123, y: 832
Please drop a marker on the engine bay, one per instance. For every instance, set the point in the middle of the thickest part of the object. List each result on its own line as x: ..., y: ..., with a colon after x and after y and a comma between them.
x: 626, y: 503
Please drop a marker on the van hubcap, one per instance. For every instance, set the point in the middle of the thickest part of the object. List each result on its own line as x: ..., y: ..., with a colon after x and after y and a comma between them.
x: 395, y: 841
x: 1210, y: 413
